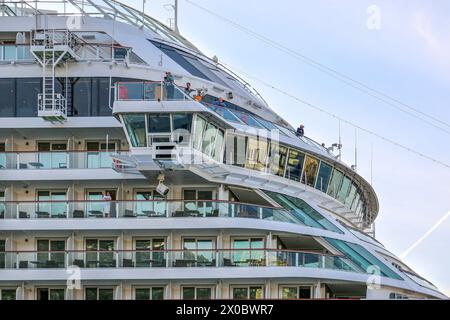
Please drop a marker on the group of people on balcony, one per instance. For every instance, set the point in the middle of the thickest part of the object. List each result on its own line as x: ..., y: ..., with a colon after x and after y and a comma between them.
x: 169, y: 85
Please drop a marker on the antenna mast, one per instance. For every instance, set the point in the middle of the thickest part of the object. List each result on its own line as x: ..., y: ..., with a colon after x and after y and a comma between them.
x: 175, y: 7
x: 356, y: 150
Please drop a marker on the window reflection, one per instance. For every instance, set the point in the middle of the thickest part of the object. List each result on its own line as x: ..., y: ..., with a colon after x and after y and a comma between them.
x: 257, y: 154
x: 277, y: 159
x: 309, y: 175
x: 295, y: 165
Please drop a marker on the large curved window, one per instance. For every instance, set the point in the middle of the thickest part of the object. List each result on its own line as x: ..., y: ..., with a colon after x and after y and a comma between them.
x: 295, y: 165
x: 159, y: 123
x: 362, y: 258
x: 310, y: 172
x: 257, y: 150
x: 135, y: 125
x: 277, y: 159
x: 335, y: 183
x: 323, y: 177
x: 303, y: 211
x: 343, y: 191
x: 200, y: 125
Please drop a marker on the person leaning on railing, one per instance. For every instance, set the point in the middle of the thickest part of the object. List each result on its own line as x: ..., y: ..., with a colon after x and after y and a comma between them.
x: 188, y: 89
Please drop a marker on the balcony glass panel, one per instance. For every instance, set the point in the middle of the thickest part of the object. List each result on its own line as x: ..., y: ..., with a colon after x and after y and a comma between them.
x: 247, y: 119
x: 224, y: 113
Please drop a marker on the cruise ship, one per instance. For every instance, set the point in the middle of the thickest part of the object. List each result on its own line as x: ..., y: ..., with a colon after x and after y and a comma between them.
x: 134, y: 167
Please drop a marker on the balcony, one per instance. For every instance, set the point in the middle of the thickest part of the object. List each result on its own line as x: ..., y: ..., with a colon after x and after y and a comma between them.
x: 212, y: 258
x: 141, y: 209
x: 29, y: 160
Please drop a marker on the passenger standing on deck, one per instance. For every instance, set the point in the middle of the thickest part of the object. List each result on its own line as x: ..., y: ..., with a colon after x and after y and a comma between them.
x: 300, y: 131
x: 169, y: 85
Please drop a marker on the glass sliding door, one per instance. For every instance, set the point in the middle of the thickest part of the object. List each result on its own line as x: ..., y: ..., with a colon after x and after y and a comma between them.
x: 201, y: 203
x: 51, y: 204
x: 152, y: 293
x: 51, y: 156
x: 150, y: 253
x: 50, y: 294
x: 197, y: 293
x: 100, y: 253
x: 99, y: 293
x: 297, y: 292
x: 50, y: 253
x: 247, y: 293
x: 149, y: 203
x: 199, y: 252
x: 99, y: 154
x: 248, y: 252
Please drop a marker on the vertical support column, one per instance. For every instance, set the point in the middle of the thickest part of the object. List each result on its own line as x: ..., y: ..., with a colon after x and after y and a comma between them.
x: 268, y: 290
x: 318, y: 290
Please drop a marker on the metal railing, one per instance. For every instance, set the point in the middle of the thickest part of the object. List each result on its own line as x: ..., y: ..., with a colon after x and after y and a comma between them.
x: 135, y: 209
x: 15, y: 52
x: 175, y: 258
x: 149, y: 91
x: 64, y: 159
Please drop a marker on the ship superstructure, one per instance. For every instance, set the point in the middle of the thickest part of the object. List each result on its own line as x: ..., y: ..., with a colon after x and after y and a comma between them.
x: 117, y: 182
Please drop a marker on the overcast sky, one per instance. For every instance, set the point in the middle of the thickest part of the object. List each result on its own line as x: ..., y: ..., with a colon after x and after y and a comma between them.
x: 401, y: 48
x: 405, y: 54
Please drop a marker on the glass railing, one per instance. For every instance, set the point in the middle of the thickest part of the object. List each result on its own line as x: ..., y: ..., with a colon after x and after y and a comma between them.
x: 174, y: 259
x: 58, y: 159
x: 16, y: 53
x: 142, y: 209
x: 149, y: 91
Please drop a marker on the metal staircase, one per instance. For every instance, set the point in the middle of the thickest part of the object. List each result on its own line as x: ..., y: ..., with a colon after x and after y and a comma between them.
x: 52, y: 48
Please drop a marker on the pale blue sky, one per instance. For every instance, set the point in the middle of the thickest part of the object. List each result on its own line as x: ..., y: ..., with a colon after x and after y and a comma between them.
x: 408, y: 58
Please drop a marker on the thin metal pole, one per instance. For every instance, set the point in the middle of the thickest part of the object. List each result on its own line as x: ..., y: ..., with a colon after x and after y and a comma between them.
x: 176, y: 16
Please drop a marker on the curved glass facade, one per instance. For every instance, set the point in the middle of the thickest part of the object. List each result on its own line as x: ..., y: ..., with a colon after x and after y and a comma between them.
x: 247, y: 151
x: 270, y: 157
